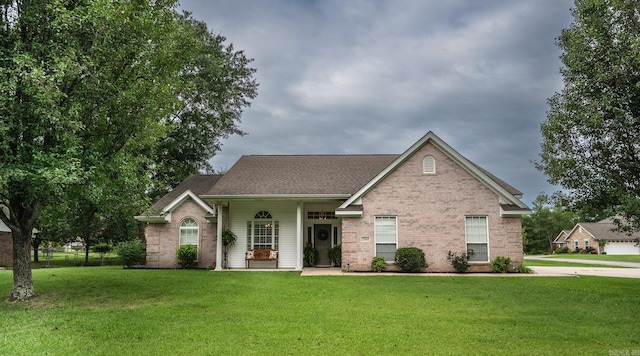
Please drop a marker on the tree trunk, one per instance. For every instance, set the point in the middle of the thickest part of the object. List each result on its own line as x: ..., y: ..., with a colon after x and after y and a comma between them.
x: 22, y: 279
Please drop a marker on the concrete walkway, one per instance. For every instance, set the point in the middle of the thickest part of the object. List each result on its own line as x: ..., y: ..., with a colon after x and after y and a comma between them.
x: 591, y: 262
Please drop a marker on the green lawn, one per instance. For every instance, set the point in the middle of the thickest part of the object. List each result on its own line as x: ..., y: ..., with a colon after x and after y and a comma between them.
x: 616, y: 258
x: 114, y: 311
x: 553, y: 263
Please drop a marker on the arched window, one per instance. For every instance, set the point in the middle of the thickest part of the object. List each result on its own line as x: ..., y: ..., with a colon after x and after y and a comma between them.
x: 263, y: 231
x: 189, y: 232
x: 429, y: 165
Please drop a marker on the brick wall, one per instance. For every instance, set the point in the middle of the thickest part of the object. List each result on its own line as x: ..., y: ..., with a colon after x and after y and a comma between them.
x: 431, y: 211
x: 6, y: 249
x: 163, y: 239
x: 580, y: 235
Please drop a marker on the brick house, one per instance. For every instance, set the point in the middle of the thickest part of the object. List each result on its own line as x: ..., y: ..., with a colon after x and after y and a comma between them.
x: 585, y: 235
x: 430, y: 197
x: 6, y: 245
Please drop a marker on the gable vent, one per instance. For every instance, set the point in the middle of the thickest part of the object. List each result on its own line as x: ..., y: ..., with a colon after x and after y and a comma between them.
x: 429, y: 165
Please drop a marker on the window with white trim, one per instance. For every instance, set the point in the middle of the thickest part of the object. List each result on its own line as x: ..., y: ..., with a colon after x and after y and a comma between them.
x: 429, y: 165
x: 477, y: 238
x: 263, y: 231
x: 189, y: 232
x: 576, y: 244
x: 386, y: 236
x: 586, y: 244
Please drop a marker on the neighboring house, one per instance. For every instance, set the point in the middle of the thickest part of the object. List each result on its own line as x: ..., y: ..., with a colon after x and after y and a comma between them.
x: 589, y: 234
x: 561, y: 240
x: 6, y: 245
x: 6, y: 241
x: 429, y: 197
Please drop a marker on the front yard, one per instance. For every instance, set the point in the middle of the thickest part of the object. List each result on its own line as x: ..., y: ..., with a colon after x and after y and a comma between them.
x: 110, y: 311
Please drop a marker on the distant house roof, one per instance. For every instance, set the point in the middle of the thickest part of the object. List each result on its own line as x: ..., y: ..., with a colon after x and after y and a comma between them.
x: 606, y: 231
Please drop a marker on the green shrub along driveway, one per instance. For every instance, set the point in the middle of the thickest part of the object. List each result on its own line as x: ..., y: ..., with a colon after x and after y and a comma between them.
x: 111, y: 311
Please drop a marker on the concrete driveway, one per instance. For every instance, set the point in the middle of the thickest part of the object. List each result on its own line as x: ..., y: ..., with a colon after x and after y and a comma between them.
x: 630, y: 270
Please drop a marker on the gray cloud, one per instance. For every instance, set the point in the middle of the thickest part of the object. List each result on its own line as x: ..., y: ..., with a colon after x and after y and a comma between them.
x: 374, y: 76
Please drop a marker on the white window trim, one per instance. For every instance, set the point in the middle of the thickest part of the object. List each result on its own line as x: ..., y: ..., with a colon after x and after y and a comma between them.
x: 197, y: 228
x: 466, y: 242
x: 375, y: 234
x: 263, y: 217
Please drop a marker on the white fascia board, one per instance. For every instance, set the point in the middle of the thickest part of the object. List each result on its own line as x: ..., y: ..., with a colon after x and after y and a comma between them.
x: 184, y: 196
x: 277, y: 197
x: 349, y: 213
x: 504, y: 195
x: 514, y: 213
x: 155, y: 219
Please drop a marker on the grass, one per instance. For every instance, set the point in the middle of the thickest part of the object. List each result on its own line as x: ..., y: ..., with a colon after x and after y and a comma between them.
x: 615, y: 258
x: 110, y: 311
x: 552, y: 263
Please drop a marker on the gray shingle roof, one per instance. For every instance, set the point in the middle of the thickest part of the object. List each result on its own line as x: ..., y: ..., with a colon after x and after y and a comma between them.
x: 605, y: 231
x: 196, y: 183
x: 300, y: 174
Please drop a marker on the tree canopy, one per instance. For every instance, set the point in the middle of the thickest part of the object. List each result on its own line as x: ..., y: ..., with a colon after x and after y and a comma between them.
x: 88, y: 91
x: 591, y: 137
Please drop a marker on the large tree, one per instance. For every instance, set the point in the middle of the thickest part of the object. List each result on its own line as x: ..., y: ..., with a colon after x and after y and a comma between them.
x: 85, y: 86
x: 591, y: 137
x: 547, y: 219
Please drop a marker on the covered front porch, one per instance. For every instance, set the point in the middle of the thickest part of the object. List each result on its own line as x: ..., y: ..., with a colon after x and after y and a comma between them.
x: 285, y: 225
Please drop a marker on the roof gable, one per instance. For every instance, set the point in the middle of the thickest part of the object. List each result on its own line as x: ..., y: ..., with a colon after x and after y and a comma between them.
x: 508, y: 195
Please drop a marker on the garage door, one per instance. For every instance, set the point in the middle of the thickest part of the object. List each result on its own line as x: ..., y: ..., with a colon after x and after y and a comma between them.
x: 622, y: 248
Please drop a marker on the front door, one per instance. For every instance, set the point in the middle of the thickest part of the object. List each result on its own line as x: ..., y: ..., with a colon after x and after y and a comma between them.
x: 322, y: 243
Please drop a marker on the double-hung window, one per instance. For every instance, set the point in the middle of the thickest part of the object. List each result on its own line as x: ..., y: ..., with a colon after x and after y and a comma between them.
x: 477, y: 236
x: 263, y: 231
x: 189, y: 232
x: 386, y: 236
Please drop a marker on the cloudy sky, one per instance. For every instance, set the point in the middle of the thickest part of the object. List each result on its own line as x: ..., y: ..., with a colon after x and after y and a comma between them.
x: 353, y: 77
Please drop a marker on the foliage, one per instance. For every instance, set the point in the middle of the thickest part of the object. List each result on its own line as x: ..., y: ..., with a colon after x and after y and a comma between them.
x: 310, y: 255
x: 378, y: 264
x: 187, y: 255
x: 220, y: 84
x: 545, y: 223
x: 524, y: 269
x: 501, y: 264
x: 591, y: 137
x: 102, y: 248
x: 459, y: 262
x: 132, y: 252
x: 335, y: 255
x: 88, y: 92
x: 410, y: 259
x: 228, y: 238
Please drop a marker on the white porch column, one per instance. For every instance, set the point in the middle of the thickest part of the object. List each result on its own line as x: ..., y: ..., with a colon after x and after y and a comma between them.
x: 299, y: 237
x: 219, y: 238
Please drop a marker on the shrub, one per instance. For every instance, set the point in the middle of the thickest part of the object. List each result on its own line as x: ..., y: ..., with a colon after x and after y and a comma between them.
x: 132, y: 252
x: 102, y: 248
x: 378, y: 264
x: 459, y: 262
x: 410, y: 259
x: 557, y: 250
x: 187, y: 255
x: 501, y: 264
x: 524, y: 269
x: 565, y: 249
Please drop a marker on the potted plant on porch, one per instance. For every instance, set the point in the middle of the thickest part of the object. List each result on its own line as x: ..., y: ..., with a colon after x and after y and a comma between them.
x: 228, y: 240
x: 335, y: 255
x: 310, y: 255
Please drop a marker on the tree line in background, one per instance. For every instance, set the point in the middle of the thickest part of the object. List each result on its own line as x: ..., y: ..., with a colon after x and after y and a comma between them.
x: 104, y: 106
